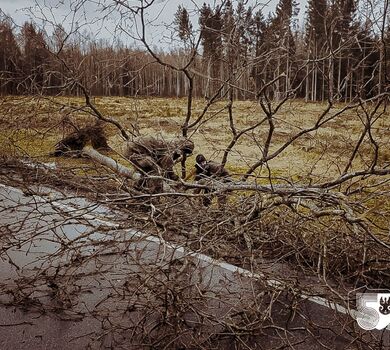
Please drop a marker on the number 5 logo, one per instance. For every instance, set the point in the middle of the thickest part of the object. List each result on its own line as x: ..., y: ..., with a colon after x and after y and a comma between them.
x: 373, y: 310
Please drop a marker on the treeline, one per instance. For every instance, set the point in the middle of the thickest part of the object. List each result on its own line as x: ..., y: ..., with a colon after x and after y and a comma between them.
x: 339, y: 54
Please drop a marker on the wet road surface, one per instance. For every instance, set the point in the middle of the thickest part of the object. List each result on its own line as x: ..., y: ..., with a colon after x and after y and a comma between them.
x: 72, y: 279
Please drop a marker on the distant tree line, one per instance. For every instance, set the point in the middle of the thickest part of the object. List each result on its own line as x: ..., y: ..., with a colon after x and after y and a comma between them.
x: 341, y: 53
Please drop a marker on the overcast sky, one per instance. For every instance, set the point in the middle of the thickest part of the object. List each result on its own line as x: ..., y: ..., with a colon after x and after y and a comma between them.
x: 89, y: 14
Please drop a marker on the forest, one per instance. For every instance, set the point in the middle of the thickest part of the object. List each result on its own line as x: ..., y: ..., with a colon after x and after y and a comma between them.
x: 209, y: 175
x: 341, y: 51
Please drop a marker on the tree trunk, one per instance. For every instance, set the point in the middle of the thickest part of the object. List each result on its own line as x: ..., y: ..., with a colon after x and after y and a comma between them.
x: 111, y: 164
x: 307, y: 83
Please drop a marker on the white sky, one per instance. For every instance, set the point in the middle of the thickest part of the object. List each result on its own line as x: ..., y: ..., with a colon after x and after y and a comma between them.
x: 89, y: 15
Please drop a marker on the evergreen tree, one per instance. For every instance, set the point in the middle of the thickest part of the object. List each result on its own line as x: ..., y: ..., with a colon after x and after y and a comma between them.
x: 342, y: 29
x: 316, y: 43
x: 316, y: 23
x: 257, y: 32
x: 183, y: 23
x: 9, y: 58
x: 210, y: 21
x: 35, y: 56
x: 283, y: 39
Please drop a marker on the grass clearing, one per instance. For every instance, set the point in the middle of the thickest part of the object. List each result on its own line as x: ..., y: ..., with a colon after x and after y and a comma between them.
x: 32, y: 126
x: 310, y: 225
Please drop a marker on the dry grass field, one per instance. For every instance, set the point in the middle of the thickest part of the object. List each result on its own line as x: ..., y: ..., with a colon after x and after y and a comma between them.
x: 329, y: 240
x: 31, y: 127
x: 103, y: 247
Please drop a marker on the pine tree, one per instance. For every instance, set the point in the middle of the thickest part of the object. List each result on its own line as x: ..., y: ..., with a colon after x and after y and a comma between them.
x: 183, y: 23
x: 35, y: 56
x: 9, y: 58
x: 210, y: 21
x: 387, y: 55
x: 316, y: 37
x: 257, y: 32
x: 342, y: 29
x: 281, y: 30
x: 237, y: 42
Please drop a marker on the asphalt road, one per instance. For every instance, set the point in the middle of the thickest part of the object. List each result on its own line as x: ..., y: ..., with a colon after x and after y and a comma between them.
x: 72, y: 279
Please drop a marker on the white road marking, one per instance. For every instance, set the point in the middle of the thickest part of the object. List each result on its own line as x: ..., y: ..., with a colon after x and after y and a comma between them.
x: 199, y: 256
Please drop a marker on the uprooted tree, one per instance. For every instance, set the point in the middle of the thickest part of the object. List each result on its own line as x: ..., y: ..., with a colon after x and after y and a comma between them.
x: 310, y: 181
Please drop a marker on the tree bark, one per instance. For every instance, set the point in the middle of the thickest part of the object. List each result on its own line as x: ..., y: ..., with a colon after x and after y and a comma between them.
x: 111, y: 164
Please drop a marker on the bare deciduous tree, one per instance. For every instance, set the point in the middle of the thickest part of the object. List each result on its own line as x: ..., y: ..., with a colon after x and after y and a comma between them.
x: 306, y: 221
